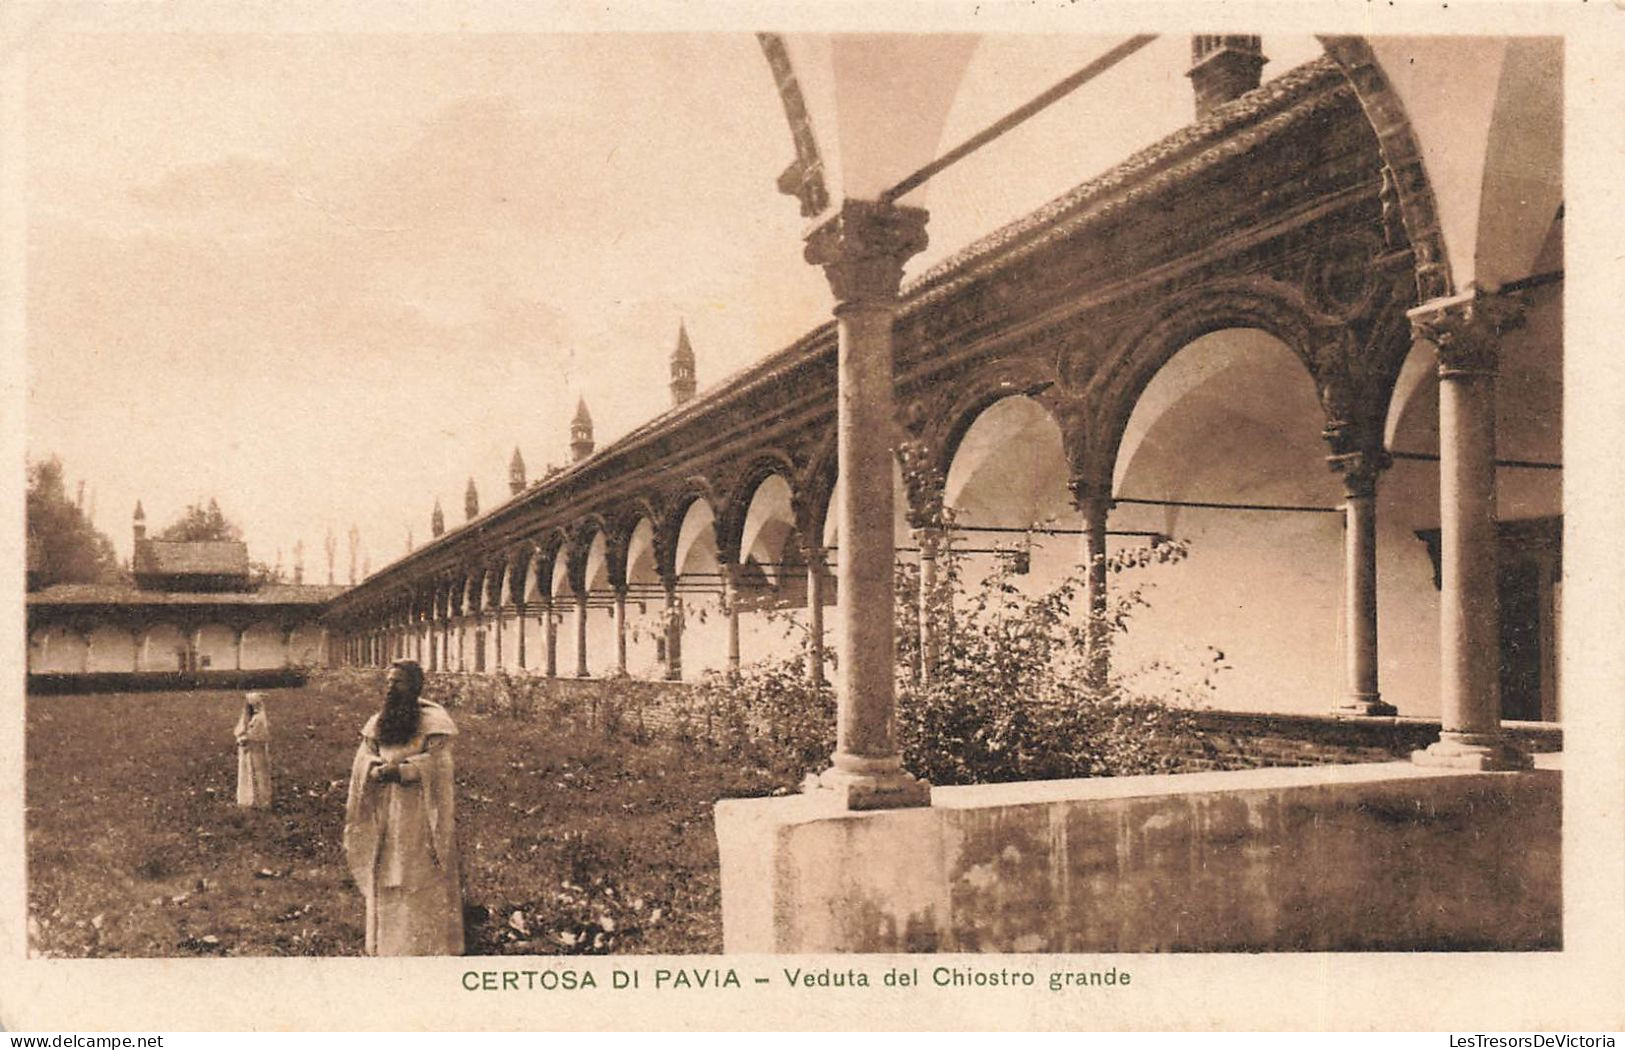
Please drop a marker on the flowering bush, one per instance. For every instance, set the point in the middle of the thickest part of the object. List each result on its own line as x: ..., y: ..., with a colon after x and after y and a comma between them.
x: 1009, y: 695
x: 769, y: 715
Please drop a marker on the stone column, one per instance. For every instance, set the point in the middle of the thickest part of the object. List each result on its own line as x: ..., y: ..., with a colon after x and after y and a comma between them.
x: 862, y: 246
x: 817, y: 569
x: 521, y: 653
x: 927, y: 539
x: 1466, y: 331
x: 1362, y: 696
x: 620, y: 631
x: 581, y: 633
x: 730, y: 601
x: 1094, y: 503
x: 550, y: 637
x: 674, y: 632
x: 496, y: 626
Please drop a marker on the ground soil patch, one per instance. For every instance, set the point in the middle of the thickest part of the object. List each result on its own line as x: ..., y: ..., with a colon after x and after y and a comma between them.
x: 572, y: 840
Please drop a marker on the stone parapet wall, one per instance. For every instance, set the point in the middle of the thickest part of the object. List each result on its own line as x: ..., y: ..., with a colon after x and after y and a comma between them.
x: 1378, y: 857
x: 1247, y: 740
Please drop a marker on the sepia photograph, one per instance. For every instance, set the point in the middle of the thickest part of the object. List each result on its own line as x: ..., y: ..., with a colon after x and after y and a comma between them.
x: 1017, y: 506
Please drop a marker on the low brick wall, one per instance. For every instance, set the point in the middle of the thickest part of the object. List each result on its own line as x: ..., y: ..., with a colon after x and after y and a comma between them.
x: 1225, y: 740
x: 1242, y: 740
x: 147, y: 681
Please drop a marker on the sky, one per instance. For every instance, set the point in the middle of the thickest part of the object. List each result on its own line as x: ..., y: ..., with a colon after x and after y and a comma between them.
x: 327, y: 278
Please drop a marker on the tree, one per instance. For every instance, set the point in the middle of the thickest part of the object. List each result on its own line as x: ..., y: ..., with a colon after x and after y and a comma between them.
x: 260, y: 574
x: 68, y: 547
x: 201, y: 523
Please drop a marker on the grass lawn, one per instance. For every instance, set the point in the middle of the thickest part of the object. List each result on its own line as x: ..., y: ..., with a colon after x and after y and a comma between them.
x: 572, y: 842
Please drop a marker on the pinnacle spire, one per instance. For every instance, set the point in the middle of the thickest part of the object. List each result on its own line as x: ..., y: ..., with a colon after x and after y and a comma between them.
x: 581, y: 433
x: 682, y: 367
x: 685, y: 349
x: 516, y: 472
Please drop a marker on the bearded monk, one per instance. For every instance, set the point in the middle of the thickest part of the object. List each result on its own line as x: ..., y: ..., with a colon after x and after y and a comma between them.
x: 400, y: 833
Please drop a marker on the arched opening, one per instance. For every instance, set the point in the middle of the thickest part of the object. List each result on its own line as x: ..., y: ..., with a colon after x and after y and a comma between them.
x: 164, y: 648
x: 535, y: 594
x: 772, y: 576
x: 56, y: 650
x: 307, y: 646
x: 564, y: 598
x: 1233, y: 419
x: 262, y: 647
x: 600, y: 608
x: 1006, y: 491
x: 504, y: 618
x: 646, y: 605
x: 699, y: 584
x: 112, y: 648
x: 216, y: 647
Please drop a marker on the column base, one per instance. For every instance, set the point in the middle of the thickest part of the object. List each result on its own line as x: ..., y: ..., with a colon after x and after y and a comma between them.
x: 895, y: 789
x: 1483, y: 752
x: 1365, y: 705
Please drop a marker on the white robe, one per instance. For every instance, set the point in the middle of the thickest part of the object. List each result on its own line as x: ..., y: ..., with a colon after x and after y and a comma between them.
x: 400, y: 840
x: 253, y: 761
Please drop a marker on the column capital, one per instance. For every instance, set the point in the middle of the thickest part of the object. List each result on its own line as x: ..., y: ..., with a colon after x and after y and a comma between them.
x: 1086, y: 492
x: 1466, y: 330
x: 1360, y: 469
x: 929, y: 537
x: 862, y: 246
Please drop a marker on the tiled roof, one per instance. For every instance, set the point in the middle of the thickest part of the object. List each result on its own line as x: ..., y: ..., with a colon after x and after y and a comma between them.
x: 200, y: 558
x: 125, y: 594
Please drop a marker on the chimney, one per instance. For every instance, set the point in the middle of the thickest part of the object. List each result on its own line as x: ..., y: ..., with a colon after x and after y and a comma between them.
x: 682, y: 368
x: 580, y: 433
x: 299, y: 562
x: 516, y: 473
x: 1224, y: 68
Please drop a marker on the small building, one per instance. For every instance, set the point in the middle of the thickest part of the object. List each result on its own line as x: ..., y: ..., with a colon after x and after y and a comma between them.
x: 193, y: 609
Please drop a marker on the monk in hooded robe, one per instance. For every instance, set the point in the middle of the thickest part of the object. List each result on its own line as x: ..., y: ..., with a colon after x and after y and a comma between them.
x: 253, y: 733
x: 400, y: 833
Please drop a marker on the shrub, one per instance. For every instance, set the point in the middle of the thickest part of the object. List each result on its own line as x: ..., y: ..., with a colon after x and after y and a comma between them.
x: 769, y: 715
x: 1010, y: 696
